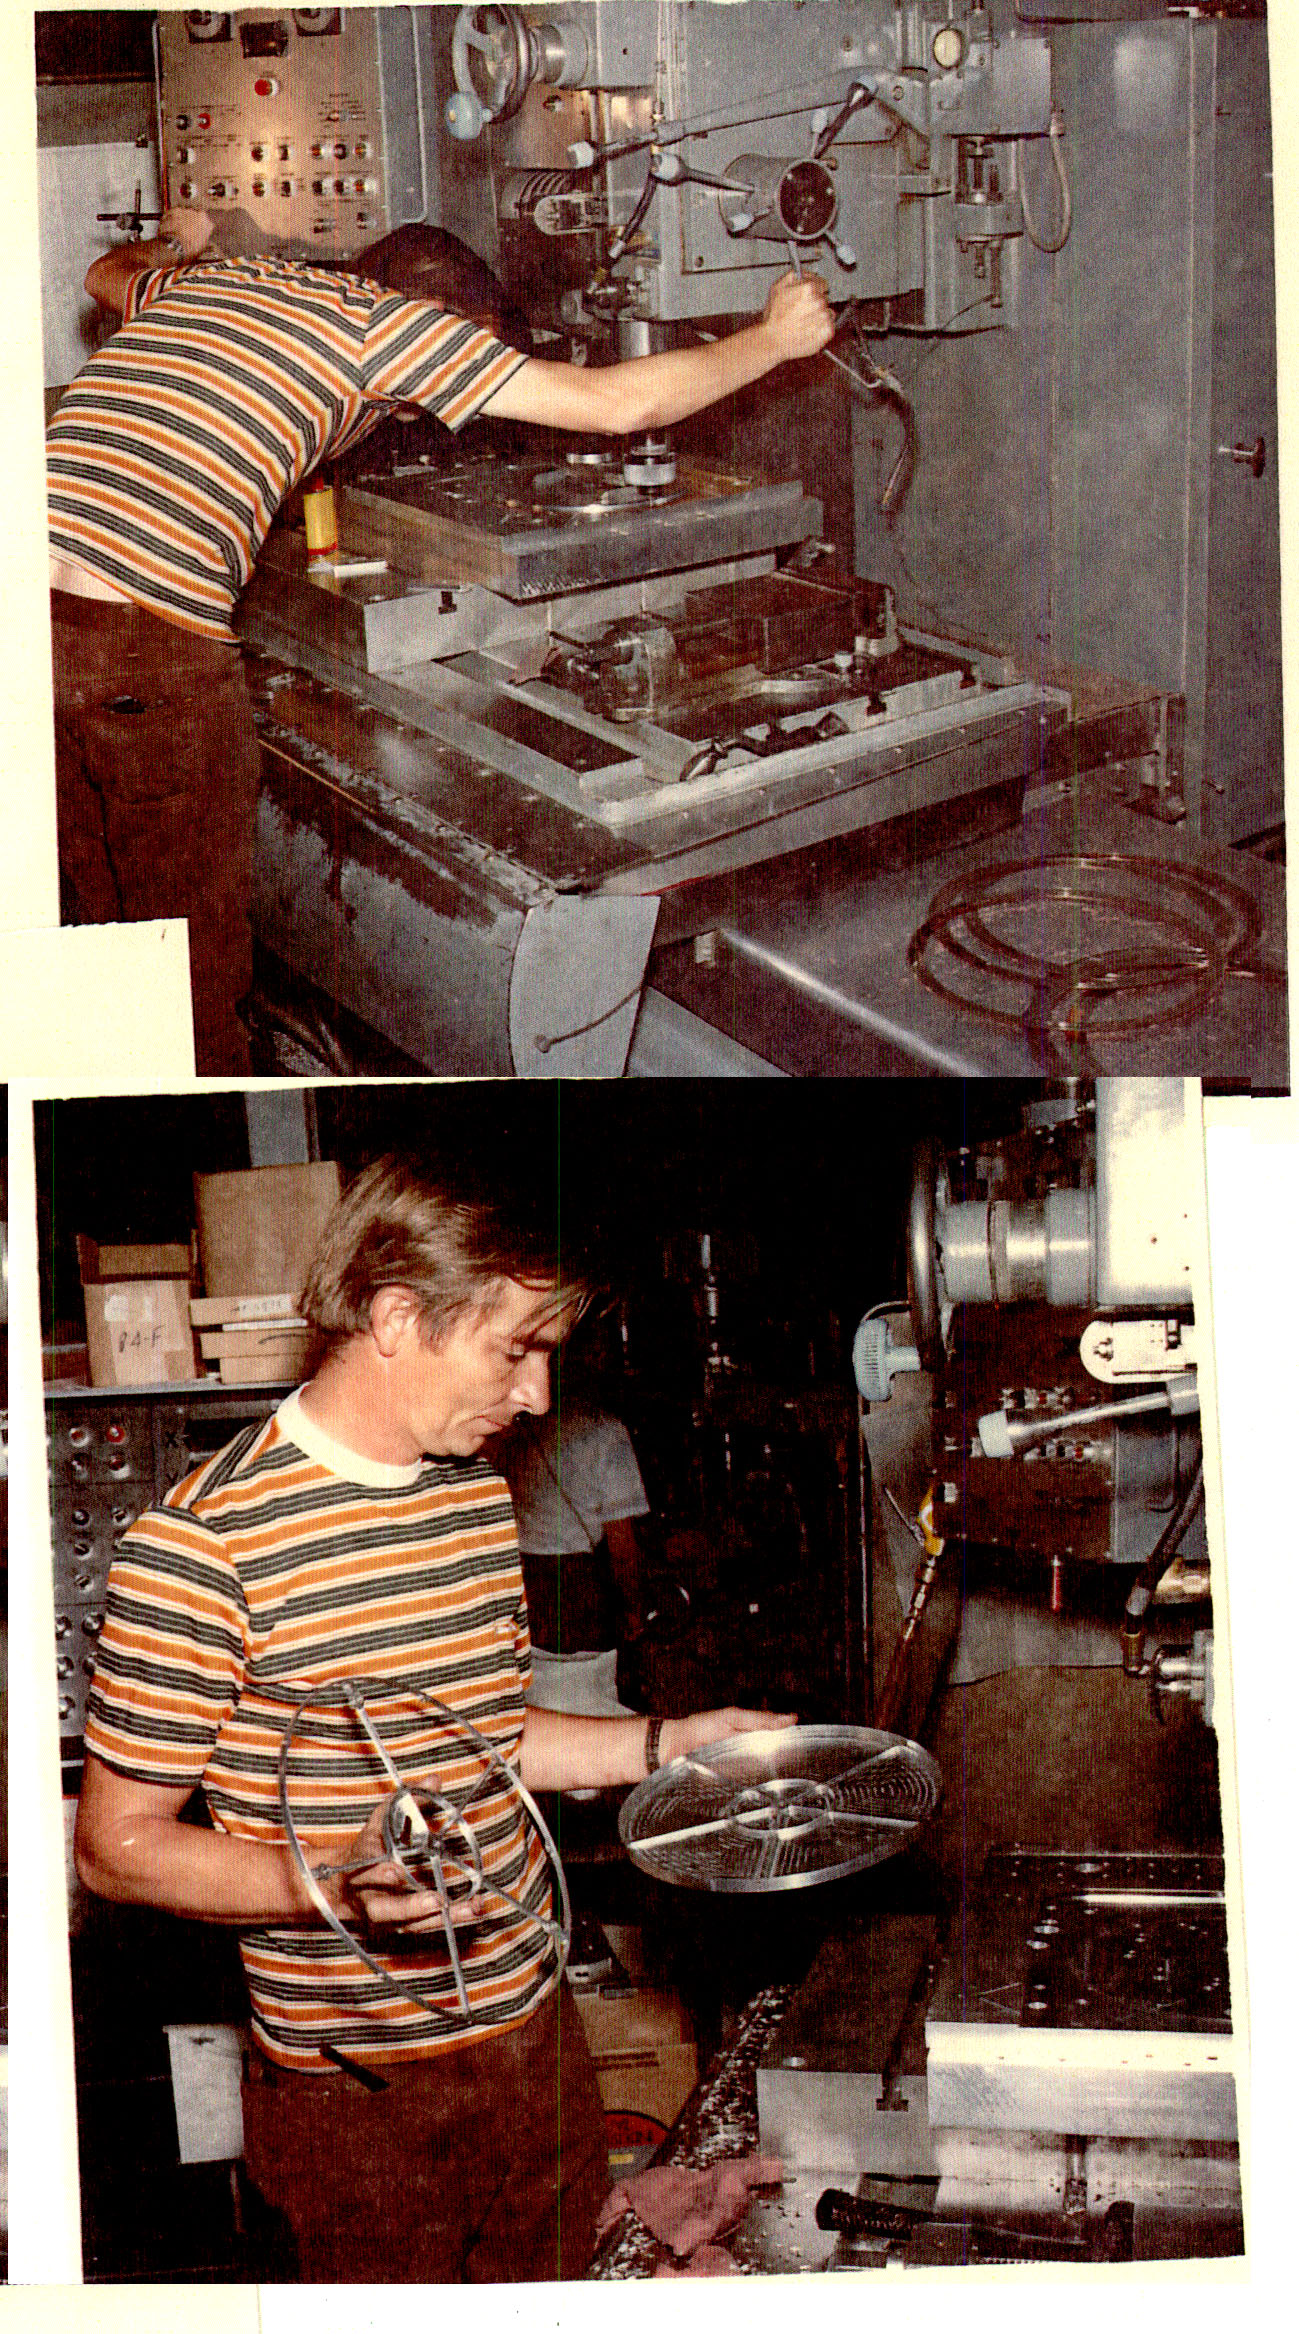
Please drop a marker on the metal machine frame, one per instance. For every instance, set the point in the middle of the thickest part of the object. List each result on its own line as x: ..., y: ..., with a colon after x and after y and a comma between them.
x: 513, y: 821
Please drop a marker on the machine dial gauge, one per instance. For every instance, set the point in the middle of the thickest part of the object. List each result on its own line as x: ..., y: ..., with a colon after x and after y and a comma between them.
x: 947, y: 48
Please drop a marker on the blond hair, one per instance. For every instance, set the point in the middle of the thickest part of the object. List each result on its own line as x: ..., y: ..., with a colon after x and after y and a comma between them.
x: 397, y: 1226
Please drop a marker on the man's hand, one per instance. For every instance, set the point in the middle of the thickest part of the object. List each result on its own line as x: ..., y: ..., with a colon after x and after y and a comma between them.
x: 192, y: 230
x: 798, y: 317
x: 680, y: 1735
x: 109, y: 278
x: 376, y: 1888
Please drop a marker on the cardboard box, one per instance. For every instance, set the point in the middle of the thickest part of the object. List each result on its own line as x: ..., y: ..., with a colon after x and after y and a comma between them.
x: 258, y: 1231
x: 258, y: 1356
x: 138, y: 1260
x: 246, y: 1344
x: 138, y: 1333
x: 137, y: 1313
x: 645, y: 2058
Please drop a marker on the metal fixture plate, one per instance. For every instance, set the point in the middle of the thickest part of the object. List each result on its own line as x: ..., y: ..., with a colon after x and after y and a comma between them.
x: 529, y: 530
x: 789, y: 1809
x: 1091, y: 1995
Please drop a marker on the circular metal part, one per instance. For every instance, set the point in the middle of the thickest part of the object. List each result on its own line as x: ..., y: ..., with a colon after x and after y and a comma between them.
x: 589, y: 491
x: 1074, y: 951
x: 785, y: 200
x: 419, y: 1825
x: 924, y: 1275
x: 1012, y: 1252
x: 429, y: 1836
x: 762, y: 1812
x: 806, y: 201
x: 493, y: 59
x: 651, y: 462
x: 947, y: 48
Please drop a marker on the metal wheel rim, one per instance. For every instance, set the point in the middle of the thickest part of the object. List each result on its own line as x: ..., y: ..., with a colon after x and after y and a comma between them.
x: 922, y: 1257
x: 558, y: 1930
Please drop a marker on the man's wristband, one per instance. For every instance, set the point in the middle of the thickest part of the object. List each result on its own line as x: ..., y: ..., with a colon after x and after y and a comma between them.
x: 653, y: 1730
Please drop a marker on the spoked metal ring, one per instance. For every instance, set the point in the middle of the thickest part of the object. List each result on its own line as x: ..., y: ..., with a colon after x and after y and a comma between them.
x: 782, y: 1810
x: 428, y: 1836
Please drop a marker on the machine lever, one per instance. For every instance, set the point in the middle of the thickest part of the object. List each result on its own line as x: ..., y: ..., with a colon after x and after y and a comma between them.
x: 1253, y: 458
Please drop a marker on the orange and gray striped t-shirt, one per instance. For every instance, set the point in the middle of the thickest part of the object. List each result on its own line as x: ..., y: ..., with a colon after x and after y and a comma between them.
x: 284, y: 1566
x: 226, y: 383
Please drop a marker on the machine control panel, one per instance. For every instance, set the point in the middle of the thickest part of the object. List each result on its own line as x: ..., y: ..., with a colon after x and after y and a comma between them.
x: 111, y: 1456
x: 306, y: 121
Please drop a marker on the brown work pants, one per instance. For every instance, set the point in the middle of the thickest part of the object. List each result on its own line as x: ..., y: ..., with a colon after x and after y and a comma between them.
x: 156, y: 763
x: 485, y: 2164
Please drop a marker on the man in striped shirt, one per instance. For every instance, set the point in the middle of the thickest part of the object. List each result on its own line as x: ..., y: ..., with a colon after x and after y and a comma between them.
x: 359, y: 1536
x: 229, y: 381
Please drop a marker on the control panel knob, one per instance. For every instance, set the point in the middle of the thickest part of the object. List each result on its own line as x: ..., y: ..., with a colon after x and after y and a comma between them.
x: 465, y: 116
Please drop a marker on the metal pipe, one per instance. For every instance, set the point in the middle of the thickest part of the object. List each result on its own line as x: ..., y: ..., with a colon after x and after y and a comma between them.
x: 1002, y: 1436
x: 1132, y: 1636
x: 900, y: 1660
x: 866, y: 1542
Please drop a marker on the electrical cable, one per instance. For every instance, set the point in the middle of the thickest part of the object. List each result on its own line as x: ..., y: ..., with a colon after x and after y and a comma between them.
x: 1055, y: 135
x: 545, y: 1045
x: 883, y: 387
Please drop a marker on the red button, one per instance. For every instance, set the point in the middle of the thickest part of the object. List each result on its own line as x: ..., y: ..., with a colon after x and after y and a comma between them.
x: 266, y: 87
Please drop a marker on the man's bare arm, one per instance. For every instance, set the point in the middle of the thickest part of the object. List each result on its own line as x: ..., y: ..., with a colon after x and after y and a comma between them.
x: 181, y: 236
x: 651, y: 392
x: 130, y: 1845
x: 563, y: 1753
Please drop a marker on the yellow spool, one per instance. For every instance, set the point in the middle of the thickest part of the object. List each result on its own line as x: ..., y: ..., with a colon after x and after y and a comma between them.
x: 321, y: 523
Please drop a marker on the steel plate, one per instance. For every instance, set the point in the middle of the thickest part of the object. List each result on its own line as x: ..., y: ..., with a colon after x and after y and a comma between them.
x: 780, y: 1810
